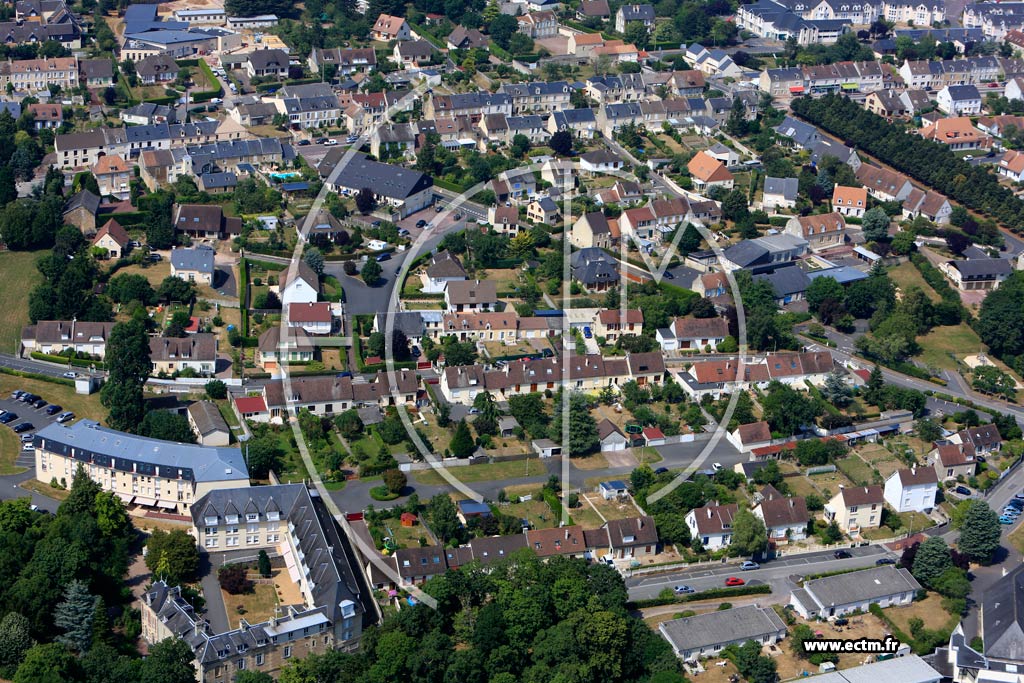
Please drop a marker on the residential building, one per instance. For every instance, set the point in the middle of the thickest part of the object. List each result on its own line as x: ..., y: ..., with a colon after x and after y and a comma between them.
x: 55, y: 337
x: 883, y: 184
x: 273, y: 351
x: 982, y: 274
x: 388, y: 28
x: 708, y: 172
x: 193, y: 265
x: 780, y: 193
x: 629, y: 13
x: 300, y: 285
x: 785, y: 518
x: 931, y: 205
x: 470, y: 295
x: 159, y: 68
x: 706, y: 635
x: 611, y: 437
x: 315, y: 318
x: 1011, y: 165
x: 46, y: 115
x: 632, y: 538
x: 39, y: 74
x: 404, y: 190
x: 462, y: 38
x: 984, y: 439
x: 822, y: 231
x: 697, y: 334
x: 205, y: 221
x: 611, y: 324
x: 208, y: 424
x: 836, y: 596
x: 594, y: 269
x: 267, y: 64
x: 959, y: 100
x: 745, y: 437
x: 849, y: 201
x: 593, y: 9
x: 148, y: 472
x: 856, y: 508
x: 591, y: 230
x: 711, y: 525
x: 413, y: 53
x: 327, y: 395
x: 113, y: 238
x: 542, y: 210
x: 346, y: 61
x: 538, y: 97
x: 912, y: 490
x: 444, y: 267
x: 953, y: 461
x: 113, y: 175
x: 195, y: 352
x: 538, y: 25
x: 957, y: 133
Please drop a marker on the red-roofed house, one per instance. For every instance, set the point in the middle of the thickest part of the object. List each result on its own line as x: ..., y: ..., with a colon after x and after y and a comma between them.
x: 707, y: 171
x: 388, y: 28
x: 314, y: 318
x: 613, y: 323
x: 252, y: 408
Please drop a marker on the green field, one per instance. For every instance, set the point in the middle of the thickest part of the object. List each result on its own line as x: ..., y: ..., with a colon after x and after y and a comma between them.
x: 859, y: 472
x: 906, y: 276
x: 937, y: 345
x: 20, y: 274
x: 490, y: 472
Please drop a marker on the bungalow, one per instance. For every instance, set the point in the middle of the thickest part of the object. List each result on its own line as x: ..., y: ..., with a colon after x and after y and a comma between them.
x: 750, y: 436
x: 822, y: 231
x: 196, y: 352
x: 600, y: 161
x: 711, y: 525
x: 957, y: 133
x: 912, y: 490
x: 780, y: 193
x: 835, y: 596
x: 611, y: 437
x: 849, y: 201
x: 708, y: 172
x: 193, y: 265
x: 612, y: 490
x: 160, y: 68
x: 706, y: 635
x: 785, y: 518
x: 953, y: 461
x: 856, y: 508
x: 205, y: 221
x: 693, y: 334
x: 981, y: 274
x: 267, y: 64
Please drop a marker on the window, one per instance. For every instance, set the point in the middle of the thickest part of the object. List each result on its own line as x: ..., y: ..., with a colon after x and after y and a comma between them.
x: 241, y: 664
x: 287, y: 651
x: 211, y: 530
x: 252, y: 517
x: 210, y: 543
x: 259, y: 660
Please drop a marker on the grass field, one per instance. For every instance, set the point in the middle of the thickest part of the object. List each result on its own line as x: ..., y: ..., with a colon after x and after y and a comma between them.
x: 10, y: 447
x: 154, y: 273
x: 937, y: 345
x: 256, y: 607
x: 20, y: 274
x: 537, y: 511
x: 489, y: 472
x: 856, y: 469
x: 61, y: 394
x: 1016, y: 538
x: 906, y: 276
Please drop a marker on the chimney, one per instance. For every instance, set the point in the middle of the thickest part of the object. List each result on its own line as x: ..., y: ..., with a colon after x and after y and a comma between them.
x: 710, y: 514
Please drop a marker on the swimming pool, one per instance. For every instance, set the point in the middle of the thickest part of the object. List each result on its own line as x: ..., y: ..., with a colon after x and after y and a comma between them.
x: 284, y: 176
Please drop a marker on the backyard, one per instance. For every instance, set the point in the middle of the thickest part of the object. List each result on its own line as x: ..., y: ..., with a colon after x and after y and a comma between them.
x: 530, y: 467
x: 906, y: 276
x: 19, y: 268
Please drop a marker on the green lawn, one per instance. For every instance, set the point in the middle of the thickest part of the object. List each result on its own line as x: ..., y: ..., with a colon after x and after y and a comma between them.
x: 20, y: 274
x: 856, y: 469
x: 906, y: 276
x: 937, y: 345
x: 489, y: 472
x: 537, y: 511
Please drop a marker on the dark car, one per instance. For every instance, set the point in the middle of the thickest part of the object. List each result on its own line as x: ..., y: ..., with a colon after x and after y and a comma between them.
x: 841, y: 554
x: 669, y: 276
x: 320, y: 141
x: 53, y: 409
x: 884, y: 560
x: 39, y: 403
x: 344, y: 374
x: 303, y: 143
x: 383, y: 257
x: 420, y: 223
x: 28, y: 398
x: 415, y: 351
x: 963, y: 490
x: 8, y: 418
x: 661, y: 470
x: 547, y: 353
x: 23, y: 427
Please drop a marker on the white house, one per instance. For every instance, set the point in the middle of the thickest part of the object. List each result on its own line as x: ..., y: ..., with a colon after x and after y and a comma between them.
x: 959, y: 100
x: 301, y: 287
x: 912, y: 490
x: 712, y: 525
x: 780, y: 193
x: 444, y: 267
x: 834, y: 596
x: 706, y: 635
x: 785, y: 519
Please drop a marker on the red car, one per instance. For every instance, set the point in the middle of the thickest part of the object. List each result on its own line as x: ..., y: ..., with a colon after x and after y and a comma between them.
x: 734, y: 581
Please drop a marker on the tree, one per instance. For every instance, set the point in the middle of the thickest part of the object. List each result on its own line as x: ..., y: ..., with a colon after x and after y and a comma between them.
x: 169, y: 661
x: 160, y: 424
x: 501, y: 30
x: 823, y: 289
x: 444, y: 520
x: 582, y: 428
x: 561, y: 143
x: 75, y: 615
x: 875, y: 385
x: 250, y: 676
x: 267, y: 301
x: 875, y: 224
x: 736, y: 124
x: 234, y: 579
x: 263, y: 563
x: 931, y: 561
x: 122, y: 393
x: 927, y: 429
x: 50, y: 663
x: 111, y: 516
x: 174, y: 553
x: 216, y: 389
x: 749, y: 536
x: 262, y: 454
x: 520, y: 145
x: 365, y: 201
x: 788, y: 410
x: 15, y: 640
x: 520, y: 44
x: 371, y: 272
x: 836, y: 391
x: 462, y: 445
x: 349, y: 423
x: 314, y: 259
x: 127, y: 287
x: 82, y: 498
x: 637, y: 34
x: 980, y: 533
x: 394, y: 480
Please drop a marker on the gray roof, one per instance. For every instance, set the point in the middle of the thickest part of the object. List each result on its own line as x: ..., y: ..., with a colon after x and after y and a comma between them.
x: 127, y: 452
x: 786, y: 281
x: 536, y: 88
x: 409, y: 322
x: 982, y: 267
x: 637, y: 12
x: 199, y: 259
x: 908, y: 669
x: 84, y: 199
x: 860, y: 586
x: 722, y: 627
x: 1002, y: 617
x: 787, y: 187
x: 799, y: 132
x: 207, y: 418
x: 963, y: 92
x: 390, y: 181
x: 265, y: 59
x: 445, y: 265
x: 211, y: 181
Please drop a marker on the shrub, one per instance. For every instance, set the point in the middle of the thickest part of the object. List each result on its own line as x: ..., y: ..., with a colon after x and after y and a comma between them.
x: 234, y: 579
x: 381, y: 493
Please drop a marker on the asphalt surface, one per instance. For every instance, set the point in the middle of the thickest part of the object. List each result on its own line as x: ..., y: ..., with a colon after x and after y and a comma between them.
x: 780, y: 574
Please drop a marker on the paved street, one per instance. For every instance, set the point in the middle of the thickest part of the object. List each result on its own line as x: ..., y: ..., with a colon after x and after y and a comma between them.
x: 778, y: 573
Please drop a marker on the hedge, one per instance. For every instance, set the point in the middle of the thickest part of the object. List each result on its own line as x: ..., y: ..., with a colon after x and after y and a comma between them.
x: 63, y: 360
x: 760, y: 589
x: 161, y: 100
x: 451, y: 187
x: 267, y: 265
x: 39, y: 376
x: 131, y: 219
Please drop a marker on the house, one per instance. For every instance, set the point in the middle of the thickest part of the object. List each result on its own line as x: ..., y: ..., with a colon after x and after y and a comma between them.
x: 693, y: 334
x: 347, y: 61
x: 883, y: 184
x: 179, y: 473
x: 912, y: 490
x: 982, y: 274
x: 46, y: 115
x: 886, y: 104
x: 205, y: 221
x: 957, y: 133
x: 835, y: 596
x: 595, y: 270
x: 55, y: 337
x: 96, y: 73
x: 612, y: 490
x: 273, y: 351
x: 780, y: 193
x: 785, y: 518
x: 542, y: 210
x: 171, y: 355
x: 984, y: 439
x: 413, y: 53
x: 710, y: 285
x: 158, y: 68
x: 217, y: 183
x: 462, y: 38
x: 959, y: 100
x: 931, y: 205
x: 538, y: 25
x: 763, y: 253
x: 402, y: 189
x: 193, y: 265
x: 208, y: 424
x: 789, y: 283
x: 504, y: 219
x: 849, y: 201
x: 591, y: 230
x: 632, y: 537
x: 112, y: 238
x: 566, y: 541
x: 706, y: 635
x: 653, y: 436
x: 470, y: 295
x: 711, y: 525
x: 80, y: 211
x: 327, y: 395
x: 508, y: 426
x: 708, y: 172
x: 953, y: 461
x: 444, y: 267
x: 611, y: 437
x: 267, y: 64
x: 856, y: 508
x: 314, y: 318
x: 611, y: 324
x: 593, y: 9
x: 1011, y: 165
x: 582, y: 123
x: 629, y: 13
x: 300, y: 285
x: 388, y: 28
x: 750, y: 436
x: 822, y: 231
x: 600, y: 161
x: 113, y: 176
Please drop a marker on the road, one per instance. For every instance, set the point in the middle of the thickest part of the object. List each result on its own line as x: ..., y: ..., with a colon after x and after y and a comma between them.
x: 778, y: 573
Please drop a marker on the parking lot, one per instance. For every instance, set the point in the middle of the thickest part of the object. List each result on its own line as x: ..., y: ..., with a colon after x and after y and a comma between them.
x: 38, y: 417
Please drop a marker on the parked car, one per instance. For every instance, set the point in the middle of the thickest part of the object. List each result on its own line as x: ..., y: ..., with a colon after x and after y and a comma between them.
x: 27, y: 446
x: 303, y: 143
x: 383, y: 257
x: 65, y: 417
x: 53, y: 409
x: 344, y: 374
x: 547, y: 353
x: 1018, y: 496
x: 27, y: 437
x: 1010, y: 512
x: 884, y: 560
x: 661, y: 470
x: 669, y: 276
x: 320, y: 141
x: 8, y: 418
x: 734, y: 581
x: 749, y: 565
x: 1002, y: 520
x: 842, y: 554
x: 420, y: 223
x: 681, y: 590
x: 69, y: 375
x: 1016, y: 502
x: 587, y: 333
x: 23, y: 427
x: 716, y: 466
x: 474, y: 411
x: 39, y: 403
x: 402, y: 232
x: 330, y: 143
x: 963, y: 491
x: 415, y: 351
x: 16, y: 394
